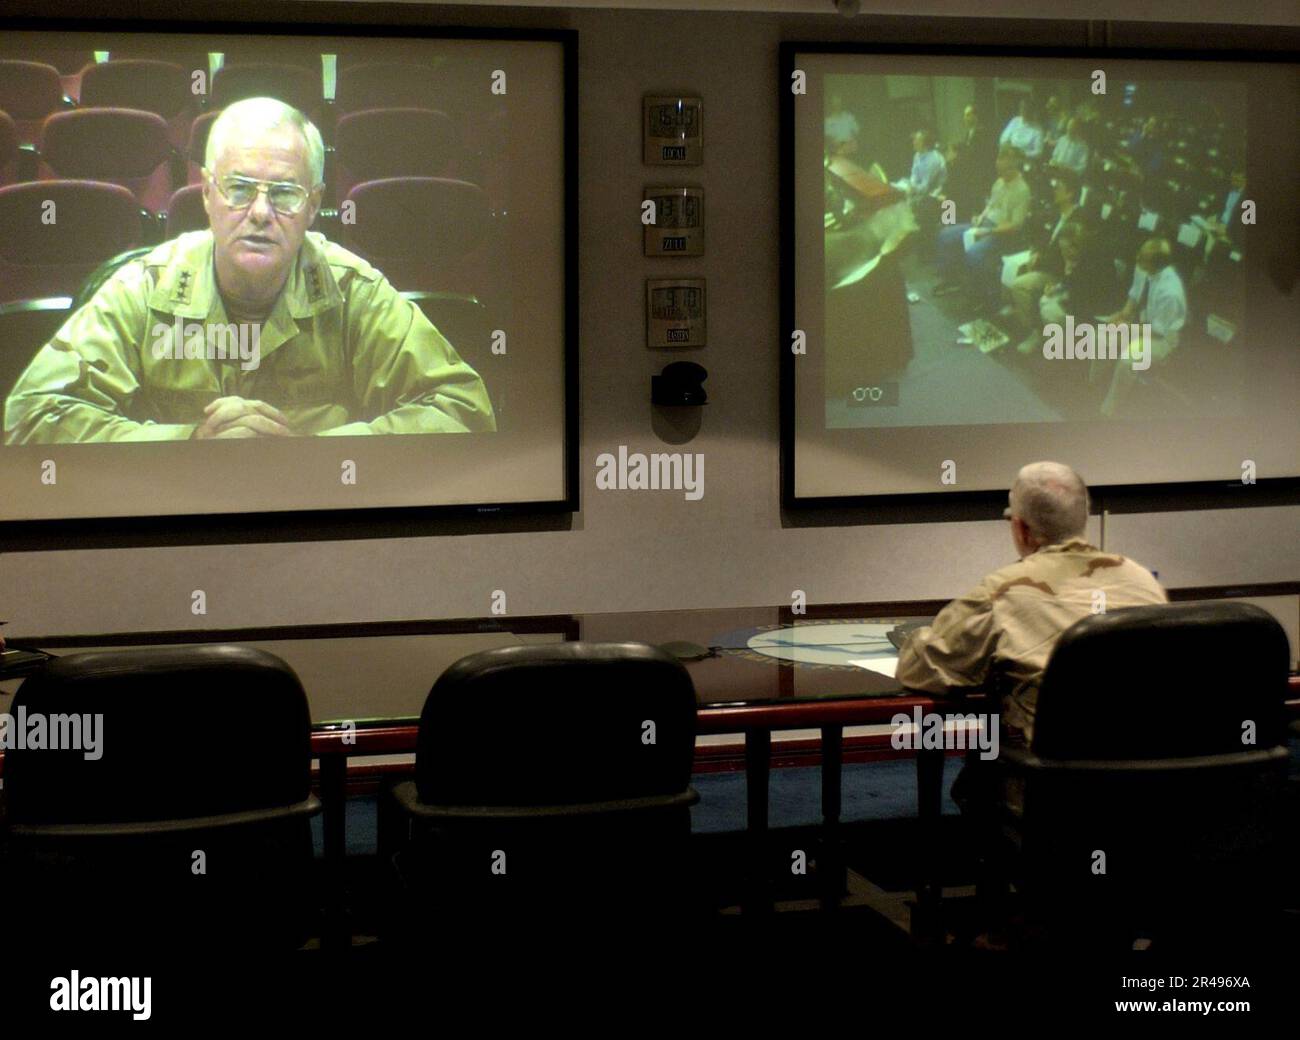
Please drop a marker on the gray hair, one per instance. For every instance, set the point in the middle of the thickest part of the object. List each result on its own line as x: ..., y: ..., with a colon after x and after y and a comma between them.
x: 258, y: 115
x: 1052, y: 500
x: 841, y: 128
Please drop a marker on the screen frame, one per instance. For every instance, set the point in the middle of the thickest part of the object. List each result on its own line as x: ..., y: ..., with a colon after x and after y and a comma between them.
x: 1242, y: 44
x: 345, y: 522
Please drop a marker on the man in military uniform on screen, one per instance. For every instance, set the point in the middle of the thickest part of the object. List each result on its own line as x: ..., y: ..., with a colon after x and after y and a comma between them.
x: 253, y: 328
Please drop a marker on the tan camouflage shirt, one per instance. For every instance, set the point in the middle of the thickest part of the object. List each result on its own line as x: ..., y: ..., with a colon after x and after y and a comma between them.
x: 341, y: 354
x: 1001, y: 633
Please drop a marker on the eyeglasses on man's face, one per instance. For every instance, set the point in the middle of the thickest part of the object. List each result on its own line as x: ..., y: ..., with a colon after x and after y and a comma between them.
x: 239, y: 192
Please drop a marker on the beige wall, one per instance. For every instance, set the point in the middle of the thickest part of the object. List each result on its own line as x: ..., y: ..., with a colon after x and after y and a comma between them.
x: 632, y: 550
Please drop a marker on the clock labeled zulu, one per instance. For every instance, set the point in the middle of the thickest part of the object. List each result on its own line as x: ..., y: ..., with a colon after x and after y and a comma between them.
x: 673, y: 131
x: 675, y: 312
x: 678, y: 225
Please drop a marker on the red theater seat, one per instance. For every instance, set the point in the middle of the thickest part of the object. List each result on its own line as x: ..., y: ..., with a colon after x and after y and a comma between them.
x: 293, y: 84
x: 92, y: 221
x: 393, y: 142
x: 29, y: 91
x: 161, y: 87
x: 8, y: 149
x: 185, y: 211
x: 198, y: 144
x: 422, y: 232
x: 380, y: 85
x: 120, y: 145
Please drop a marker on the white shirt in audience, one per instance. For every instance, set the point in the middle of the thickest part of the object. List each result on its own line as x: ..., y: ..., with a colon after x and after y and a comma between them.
x: 1025, y: 136
x: 1071, y: 153
x: 1166, y: 305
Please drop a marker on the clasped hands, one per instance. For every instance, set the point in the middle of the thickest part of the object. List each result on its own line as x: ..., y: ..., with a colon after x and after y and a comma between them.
x: 230, y: 417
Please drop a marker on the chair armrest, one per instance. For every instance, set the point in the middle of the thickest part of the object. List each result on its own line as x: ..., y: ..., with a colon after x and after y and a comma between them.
x: 29, y: 160
x: 40, y: 303
x: 310, y: 806
x: 407, y: 797
x: 1022, y: 761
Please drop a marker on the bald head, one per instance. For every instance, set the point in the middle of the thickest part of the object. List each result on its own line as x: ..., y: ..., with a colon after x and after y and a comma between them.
x: 1052, y: 500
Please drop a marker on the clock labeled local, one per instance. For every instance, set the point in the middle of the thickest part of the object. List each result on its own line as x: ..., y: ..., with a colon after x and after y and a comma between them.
x: 674, y: 131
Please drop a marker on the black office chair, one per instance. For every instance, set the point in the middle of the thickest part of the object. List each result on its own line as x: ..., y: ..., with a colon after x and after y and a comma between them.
x: 1159, y: 753
x: 189, y: 825
x: 467, y: 325
x: 552, y: 781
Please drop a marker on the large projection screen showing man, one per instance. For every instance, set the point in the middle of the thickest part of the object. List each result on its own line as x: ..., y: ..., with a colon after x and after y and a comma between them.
x: 272, y: 273
x: 996, y: 257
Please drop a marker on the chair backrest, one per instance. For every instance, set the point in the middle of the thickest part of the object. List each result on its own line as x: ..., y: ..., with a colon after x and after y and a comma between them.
x: 41, y: 258
x: 25, y: 327
x: 101, y: 274
x: 198, y: 144
x: 412, y: 228
x: 161, y: 87
x: 29, y: 90
x: 8, y: 149
x: 185, y: 211
x: 293, y: 84
x: 1169, y: 681
x: 186, y: 732
x: 106, y: 144
x: 394, y: 142
x: 384, y: 85
x: 557, y: 724
x: 465, y: 323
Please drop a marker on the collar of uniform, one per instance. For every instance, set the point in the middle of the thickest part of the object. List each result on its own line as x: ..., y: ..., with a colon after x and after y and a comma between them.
x: 188, y: 284
x: 1073, y: 545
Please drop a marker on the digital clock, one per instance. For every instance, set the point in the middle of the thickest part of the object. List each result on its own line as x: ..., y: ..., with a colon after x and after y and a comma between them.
x: 674, y: 131
x: 675, y: 312
x: 678, y: 225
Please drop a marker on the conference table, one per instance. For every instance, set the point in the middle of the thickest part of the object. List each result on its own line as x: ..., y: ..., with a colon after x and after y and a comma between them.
x: 366, y: 683
x: 762, y: 670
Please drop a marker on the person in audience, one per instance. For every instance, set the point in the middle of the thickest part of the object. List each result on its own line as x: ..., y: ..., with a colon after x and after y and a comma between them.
x: 1146, y: 149
x: 929, y: 171
x: 841, y: 137
x: 1054, y: 121
x: 841, y: 125
x: 1071, y: 151
x: 970, y: 160
x: 1227, y: 218
x: 255, y: 327
x: 997, y: 229
x: 1085, y: 285
x: 1156, y: 298
x: 999, y: 635
x: 1025, y: 131
x: 1045, y: 263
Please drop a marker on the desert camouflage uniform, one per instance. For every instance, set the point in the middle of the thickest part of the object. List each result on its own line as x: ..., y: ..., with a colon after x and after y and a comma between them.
x: 342, y: 353
x: 1001, y: 633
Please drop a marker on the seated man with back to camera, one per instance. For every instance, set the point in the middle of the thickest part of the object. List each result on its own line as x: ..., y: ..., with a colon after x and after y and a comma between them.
x: 309, y: 338
x: 999, y: 635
